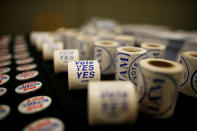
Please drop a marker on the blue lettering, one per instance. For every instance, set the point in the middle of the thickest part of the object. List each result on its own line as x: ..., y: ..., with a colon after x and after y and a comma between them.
x: 85, y: 74
x: 91, y: 74
x: 91, y: 67
x: 84, y: 67
x: 79, y: 74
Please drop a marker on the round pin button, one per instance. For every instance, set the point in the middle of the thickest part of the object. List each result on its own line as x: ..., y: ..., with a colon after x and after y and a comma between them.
x: 24, y: 61
x: 46, y: 124
x: 5, y: 57
x: 2, y: 64
x: 27, y: 75
x: 34, y: 104
x: 5, y: 70
x: 4, y: 111
x: 26, y: 67
x: 21, y: 56
x: 28, y: 87
x: 2, y: 91
x: 4, y: 79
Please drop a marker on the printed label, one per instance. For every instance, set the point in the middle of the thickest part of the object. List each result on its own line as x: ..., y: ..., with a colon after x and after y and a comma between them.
x: 5, y: 70
x: 134, y: 68
x: 26, y: 67
x: 4, y: 79
x: 194, y: 81
x: 5, y: 63
x: 28, y: 87
x: 85, y: 70
x: 4, y: 111
x: 24, y: 61
x: 66, y: 56
x: 114, y: 103
x: 159, y: 100
x: 185, y: 75
x: 34, y: 104
x: 2, y: 91
x: 46, y: 124
x: 27, y: 75
x: 100, y: 52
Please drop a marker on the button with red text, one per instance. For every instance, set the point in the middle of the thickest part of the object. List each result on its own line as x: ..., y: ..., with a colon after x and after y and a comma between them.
x: 4, y: 79
x: 4, y: 70
x: 21, y: 56
x: 5, y: 57
x: 34, y: 104
x: 4, y: 111
x: 6, y: 63
x: 27, y: 75
x: 24, y: 61
x: 46, y: 124
x: 2, y: 91
x: 26, y: 67
x: 28, y: 87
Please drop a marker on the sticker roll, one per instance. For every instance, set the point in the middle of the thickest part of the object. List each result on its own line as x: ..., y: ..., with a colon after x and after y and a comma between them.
x: 71, y: 36
x: 127, y: 63
x: 112, y: 102
x: 61, y: 58
x: 158, y: 86
x: 49, y: 48
x: 81, y: 72
x: 188, y: 84
x: 154, y: 50
x: 85, y: 45
x: 104, y: 52
x: 125, y: 40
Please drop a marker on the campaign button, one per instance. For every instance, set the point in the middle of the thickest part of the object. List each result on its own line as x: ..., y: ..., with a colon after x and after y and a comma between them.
x: 28, y: 87
x: 24, y: 61
x: 4, y: 111
x: 2, y: 91
x: 34, y: 104
x: 27, y: 75
x: 21, y: 56
x: 6, y: 63
x: 5, y: 70
x: 4, y: 79
x: 5, y: 57
x: 26, y: 67
x: 46, y: 124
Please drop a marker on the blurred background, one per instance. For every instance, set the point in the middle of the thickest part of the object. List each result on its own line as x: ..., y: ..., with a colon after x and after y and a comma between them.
x: 23, y: 16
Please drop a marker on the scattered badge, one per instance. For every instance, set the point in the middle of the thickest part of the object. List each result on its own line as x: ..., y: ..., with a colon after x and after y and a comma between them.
x: 5, y: 70
x: 2, y: 91
x: 4, y: 111
x: 27, y: 75
x: 4, y: 79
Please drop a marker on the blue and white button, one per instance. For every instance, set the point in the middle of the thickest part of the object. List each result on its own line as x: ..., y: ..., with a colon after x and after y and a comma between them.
x: 5, y: 70
x: 4, y: 111
x: 26, y: 67
x: 4, y: 78
x: 34, y: 104
x: 27, y: 75
x: 46, y: 124
x: 28, y: 87
x: 2, y: 91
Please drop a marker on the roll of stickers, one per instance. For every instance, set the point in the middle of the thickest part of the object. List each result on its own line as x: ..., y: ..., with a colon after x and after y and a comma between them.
x: 48, y: 50
x: 85, y: 45
x: 62, y: 57
x: 127, y: 63
x: 112, y: 102
x: 154, y: 50
x: 188, y: 84
x: 81, y: 72
x: 104, y: 52
x: 71, y: 36
x: 125, y: 40
x: 158, y: 86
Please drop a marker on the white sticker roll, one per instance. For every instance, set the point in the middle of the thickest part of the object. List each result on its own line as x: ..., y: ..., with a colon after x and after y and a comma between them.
x: 188, y: 85
x: 127, y: 63
x: 104, y: 52
x: 158, y: 86
x: 112, y: 102
x: 71, y: 36
x: 61, y: 58
x: 154, y: 50
x: 81, y: 72
x: 125, y: 40
x: 49, y: 48
x: 85, y: 45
